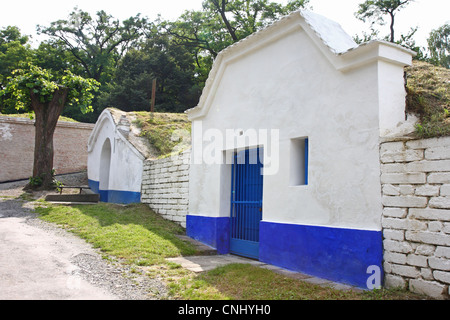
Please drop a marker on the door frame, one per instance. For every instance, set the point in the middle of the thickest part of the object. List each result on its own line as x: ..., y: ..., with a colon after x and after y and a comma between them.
x: 246, y: 213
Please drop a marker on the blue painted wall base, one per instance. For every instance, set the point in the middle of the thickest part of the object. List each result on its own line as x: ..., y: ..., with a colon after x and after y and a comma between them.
x: 114, y: 196
x: 94, y: 185
x: 215, y: 232
x: 340, y: 255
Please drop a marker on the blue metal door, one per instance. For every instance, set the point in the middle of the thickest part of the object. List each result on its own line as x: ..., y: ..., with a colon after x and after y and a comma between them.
x: 246, y: 203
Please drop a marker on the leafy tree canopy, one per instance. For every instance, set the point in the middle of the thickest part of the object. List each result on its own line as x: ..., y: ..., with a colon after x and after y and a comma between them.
x: 96, y: 43
x: 46, y: 94
x: 42, y: 84
x: 222, y: 23
x: 439, y: 46
x: 375, y: 10
x: 14, y: 50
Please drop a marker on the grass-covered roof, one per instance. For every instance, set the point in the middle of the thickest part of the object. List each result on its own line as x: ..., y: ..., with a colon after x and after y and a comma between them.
x: 428, y: 96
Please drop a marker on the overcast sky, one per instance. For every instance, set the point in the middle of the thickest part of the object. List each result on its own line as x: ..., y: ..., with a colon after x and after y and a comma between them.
x: 26, y: 14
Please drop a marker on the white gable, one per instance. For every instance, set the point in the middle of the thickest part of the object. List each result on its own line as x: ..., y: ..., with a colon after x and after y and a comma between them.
x: 336, y: 46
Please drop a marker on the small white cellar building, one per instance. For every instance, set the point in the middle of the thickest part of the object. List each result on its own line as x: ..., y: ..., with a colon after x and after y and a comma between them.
x: 285, y: 148
x: 116, y: 155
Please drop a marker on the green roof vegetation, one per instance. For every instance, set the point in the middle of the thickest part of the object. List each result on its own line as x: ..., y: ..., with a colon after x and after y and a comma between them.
x: 167, y: 132
x: 428, y: 96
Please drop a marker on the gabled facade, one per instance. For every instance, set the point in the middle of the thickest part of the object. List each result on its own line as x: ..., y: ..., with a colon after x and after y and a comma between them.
x: 115, y: 160
x: 285, y: 148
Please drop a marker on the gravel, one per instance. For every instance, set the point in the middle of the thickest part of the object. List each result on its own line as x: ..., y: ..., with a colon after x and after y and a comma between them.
x: 123, y: 281
x: 119, y: 279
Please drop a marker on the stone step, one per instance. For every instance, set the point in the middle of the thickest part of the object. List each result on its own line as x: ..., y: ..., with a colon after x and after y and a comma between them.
x: 77, y: 198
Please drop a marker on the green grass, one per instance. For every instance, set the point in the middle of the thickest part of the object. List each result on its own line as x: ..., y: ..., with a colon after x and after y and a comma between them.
x: 164, y: 130
x: 248, y: 282
x: 136, y: 236
x: 428, y: 96
x: 132, y: 233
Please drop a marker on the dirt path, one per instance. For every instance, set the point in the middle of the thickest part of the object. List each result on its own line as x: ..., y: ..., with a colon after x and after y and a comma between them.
x: 39, y: 261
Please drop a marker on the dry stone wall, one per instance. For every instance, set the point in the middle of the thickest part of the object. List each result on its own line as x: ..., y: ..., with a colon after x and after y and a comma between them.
x: 165, y: 186
x: 415, y: 177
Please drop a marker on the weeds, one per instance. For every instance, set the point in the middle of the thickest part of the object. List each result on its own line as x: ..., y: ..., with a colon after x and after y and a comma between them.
x: 428, y: 96
x: 137, y: 236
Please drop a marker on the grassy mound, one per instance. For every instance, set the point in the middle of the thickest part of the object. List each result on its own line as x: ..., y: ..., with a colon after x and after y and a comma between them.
x: 428, y: 96
x: 167, y: 132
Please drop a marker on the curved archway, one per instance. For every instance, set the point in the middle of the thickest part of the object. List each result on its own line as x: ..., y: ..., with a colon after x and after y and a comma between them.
x: 104, y: 171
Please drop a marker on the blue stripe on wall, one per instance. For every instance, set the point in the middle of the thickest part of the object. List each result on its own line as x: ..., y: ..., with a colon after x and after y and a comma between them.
x: 94, y: 185
x: 123, y: 197
x: 114, y: 196
x: 214, y: 232
x: 341, y: 255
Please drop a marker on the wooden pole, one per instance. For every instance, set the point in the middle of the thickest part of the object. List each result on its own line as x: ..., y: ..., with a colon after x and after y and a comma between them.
x: 153, y: 96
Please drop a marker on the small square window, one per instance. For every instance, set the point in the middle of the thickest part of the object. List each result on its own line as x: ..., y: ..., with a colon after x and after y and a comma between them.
x: 299, y: 162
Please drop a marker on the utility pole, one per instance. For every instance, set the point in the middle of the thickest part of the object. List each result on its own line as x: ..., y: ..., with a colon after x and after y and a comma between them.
x: 153, y: 96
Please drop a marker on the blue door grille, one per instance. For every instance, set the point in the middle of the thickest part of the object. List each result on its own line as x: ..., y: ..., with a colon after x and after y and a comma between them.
x: 246, y: 203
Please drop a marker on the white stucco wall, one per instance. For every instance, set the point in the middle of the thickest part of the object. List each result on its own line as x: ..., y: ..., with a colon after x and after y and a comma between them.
x: 126, y: 164
x: 289, y: 84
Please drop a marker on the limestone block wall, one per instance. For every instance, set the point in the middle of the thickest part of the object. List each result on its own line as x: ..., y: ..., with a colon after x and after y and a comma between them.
x: 415, y: 177
x: 165, y: 186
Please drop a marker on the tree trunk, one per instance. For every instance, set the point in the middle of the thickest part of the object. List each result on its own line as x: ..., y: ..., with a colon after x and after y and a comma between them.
x: 222, y: 10
x: 392, y: 27
x: 47, y: 115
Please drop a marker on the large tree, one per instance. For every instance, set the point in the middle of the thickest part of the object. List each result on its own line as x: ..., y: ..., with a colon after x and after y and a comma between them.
x: 14, y: 51
x: 45, y: 94
x: 439, y: 46
x: 172, y: 66
x: 375, y: 10
x: 222, y: 23
x: 96, y: 43
x: 244, y: 17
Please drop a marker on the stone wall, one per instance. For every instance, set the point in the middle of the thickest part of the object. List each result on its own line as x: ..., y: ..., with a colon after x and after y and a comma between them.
x: 17, y: 147
x: 415, y: 177
x: 165, y: 186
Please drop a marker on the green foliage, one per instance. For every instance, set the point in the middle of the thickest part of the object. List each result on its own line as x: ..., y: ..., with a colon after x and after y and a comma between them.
x: 125, y: 56
x: 375, y: 10
x: 428, y: 89
x: 173, y: 68
x: 222, y: 23
x: 53, y: 55
x: 164, y: 131
x: 43, y: 84
x: 38, y: 181
x: 96, y: 44
x: 14, y: 51
x: 35, y: 181
x: 439, y: 46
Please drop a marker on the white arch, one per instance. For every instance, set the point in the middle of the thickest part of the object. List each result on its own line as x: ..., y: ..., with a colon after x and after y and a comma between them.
x: 105, y: 165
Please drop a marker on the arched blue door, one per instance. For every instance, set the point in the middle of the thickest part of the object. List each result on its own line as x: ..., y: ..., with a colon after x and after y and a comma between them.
x: 246, y: 203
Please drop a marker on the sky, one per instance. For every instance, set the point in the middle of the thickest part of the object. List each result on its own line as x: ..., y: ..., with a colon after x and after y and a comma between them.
x: 26, y: 14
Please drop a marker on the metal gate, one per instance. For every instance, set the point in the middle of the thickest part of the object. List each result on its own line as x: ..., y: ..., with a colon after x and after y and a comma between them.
x: 246, y: 203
